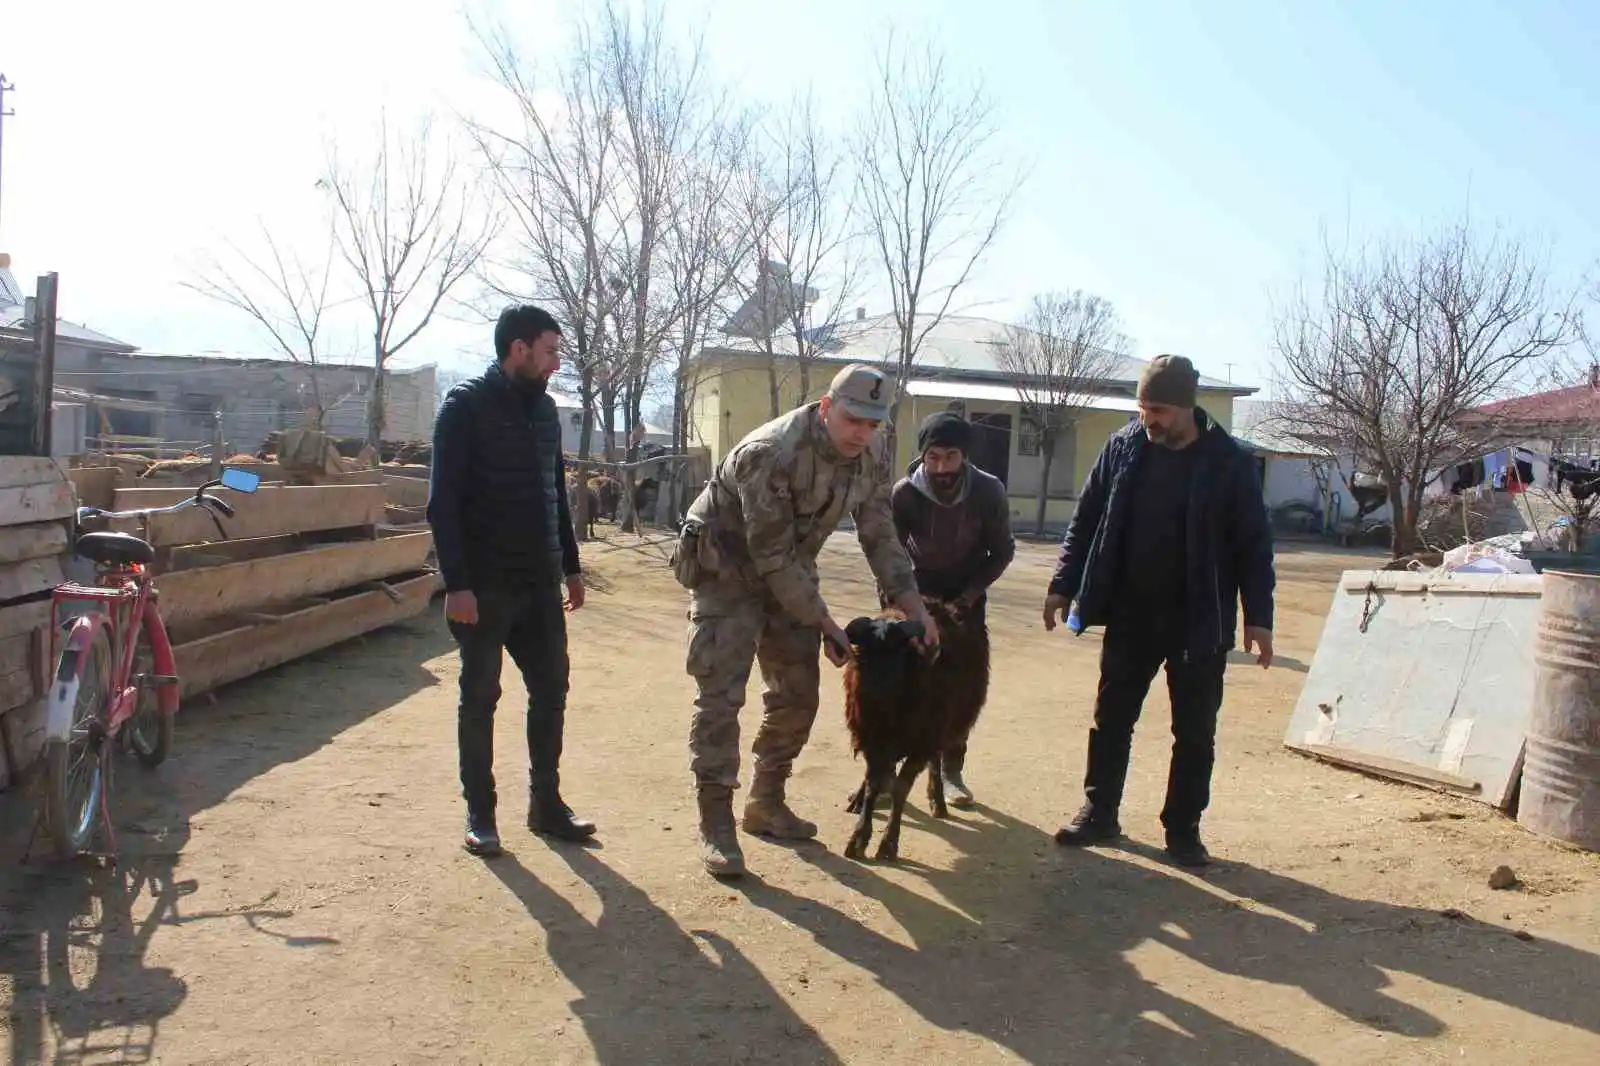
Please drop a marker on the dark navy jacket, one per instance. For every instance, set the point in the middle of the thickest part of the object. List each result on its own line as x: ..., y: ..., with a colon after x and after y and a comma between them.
x: 1229, y: 540
x: 497, y: 495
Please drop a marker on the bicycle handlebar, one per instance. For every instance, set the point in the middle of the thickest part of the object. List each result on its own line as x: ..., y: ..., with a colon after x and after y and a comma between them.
x: 200, y: 496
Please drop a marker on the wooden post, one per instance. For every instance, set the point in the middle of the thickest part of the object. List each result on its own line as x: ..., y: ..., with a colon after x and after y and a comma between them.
x: 44, y: 334
x: 216, y: 444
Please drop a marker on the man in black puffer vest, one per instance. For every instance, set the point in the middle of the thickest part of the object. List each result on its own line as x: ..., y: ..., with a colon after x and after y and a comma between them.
x: 497, y: 503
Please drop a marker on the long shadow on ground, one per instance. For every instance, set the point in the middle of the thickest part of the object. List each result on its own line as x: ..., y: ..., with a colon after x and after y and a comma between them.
x: 1030, y: 949
x: 58, y: 920
x: 651, y: 991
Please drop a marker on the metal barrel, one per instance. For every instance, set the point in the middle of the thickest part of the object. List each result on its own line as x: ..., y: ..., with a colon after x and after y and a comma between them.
x: 1561, y: 764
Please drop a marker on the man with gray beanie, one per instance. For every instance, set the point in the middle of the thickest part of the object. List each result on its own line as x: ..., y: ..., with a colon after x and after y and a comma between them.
x: 955, y: 523
x: 1170, y: 535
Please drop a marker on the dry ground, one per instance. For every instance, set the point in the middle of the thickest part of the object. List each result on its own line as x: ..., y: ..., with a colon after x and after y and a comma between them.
x: 294, y: 889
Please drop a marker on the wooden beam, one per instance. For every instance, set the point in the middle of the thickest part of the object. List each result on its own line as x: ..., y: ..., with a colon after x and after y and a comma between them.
x: 405, y: 491
x: 96, y: 486
x: 271, y: 510
x: 240, y: 652
x: 17, y: 471
x: 24, y: 618
x: 208, y: 592
x: 46, y: 502
x: 32, y: 575
x: 32, y: 541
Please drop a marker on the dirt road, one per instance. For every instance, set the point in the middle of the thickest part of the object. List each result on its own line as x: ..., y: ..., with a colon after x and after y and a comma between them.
x: 294, y: 890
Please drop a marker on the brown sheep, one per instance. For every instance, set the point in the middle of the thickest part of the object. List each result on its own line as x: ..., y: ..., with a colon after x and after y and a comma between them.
x: 608, y: 491
x: 903, y: 706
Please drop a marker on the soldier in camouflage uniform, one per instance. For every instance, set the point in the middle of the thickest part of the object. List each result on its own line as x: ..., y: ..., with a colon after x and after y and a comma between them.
x: 748, y: 553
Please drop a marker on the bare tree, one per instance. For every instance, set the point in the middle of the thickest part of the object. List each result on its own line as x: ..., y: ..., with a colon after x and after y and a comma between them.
x: 1065, y: 348
x: 409, y: 229
x: 925, y: 167
x: 1404, y: 340
x: 284, y: 297
x: 557, y: 174
x: 799, y: 208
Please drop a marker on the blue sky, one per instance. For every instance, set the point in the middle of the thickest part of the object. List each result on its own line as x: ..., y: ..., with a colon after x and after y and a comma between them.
x: 1185, y: 159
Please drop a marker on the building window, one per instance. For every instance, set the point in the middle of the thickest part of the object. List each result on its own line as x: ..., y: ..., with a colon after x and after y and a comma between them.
x: 1029, y: 437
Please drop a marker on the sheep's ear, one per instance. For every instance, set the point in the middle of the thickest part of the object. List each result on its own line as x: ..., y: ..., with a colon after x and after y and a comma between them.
x: 859, y: 631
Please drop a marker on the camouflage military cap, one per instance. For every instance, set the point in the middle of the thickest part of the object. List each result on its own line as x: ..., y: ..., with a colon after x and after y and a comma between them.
x: 864, y: 392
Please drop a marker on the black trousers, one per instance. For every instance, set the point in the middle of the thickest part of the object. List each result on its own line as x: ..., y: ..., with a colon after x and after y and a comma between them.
x: 1129, y: 659
x: 528, y: 622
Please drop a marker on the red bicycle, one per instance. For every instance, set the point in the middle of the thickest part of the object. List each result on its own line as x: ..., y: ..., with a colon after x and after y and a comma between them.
x: 115, y: 680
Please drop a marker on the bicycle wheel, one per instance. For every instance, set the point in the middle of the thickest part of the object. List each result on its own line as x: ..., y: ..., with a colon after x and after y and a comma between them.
x: 75, y: 769
x: 149, y: 729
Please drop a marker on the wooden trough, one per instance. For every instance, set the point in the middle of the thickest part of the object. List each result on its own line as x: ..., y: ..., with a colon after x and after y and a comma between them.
x: 238, y: 646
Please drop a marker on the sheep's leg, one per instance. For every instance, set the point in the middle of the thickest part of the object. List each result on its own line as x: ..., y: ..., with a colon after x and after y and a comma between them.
x: 856, y: 847
x: 936, y: 805
x: 889, y: 846
x: 854, y: 806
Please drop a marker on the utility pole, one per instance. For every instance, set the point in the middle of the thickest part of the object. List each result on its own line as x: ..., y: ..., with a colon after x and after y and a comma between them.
x: 5, y: 87
x: 1230, y: 367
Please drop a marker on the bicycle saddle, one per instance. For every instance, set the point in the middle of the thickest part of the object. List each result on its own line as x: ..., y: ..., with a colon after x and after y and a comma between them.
x: 114, y: 549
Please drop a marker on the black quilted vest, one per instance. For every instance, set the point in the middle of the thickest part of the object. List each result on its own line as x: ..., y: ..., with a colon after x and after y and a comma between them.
x: 514, y: 485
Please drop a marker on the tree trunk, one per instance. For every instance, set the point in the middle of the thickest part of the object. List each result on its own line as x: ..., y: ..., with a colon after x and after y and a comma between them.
x: 772, y: 386
x: 586, y: 416
x: 805, y: 382
x: 1402, y: 525
x: 375, y: 401
x: 1047, y: 457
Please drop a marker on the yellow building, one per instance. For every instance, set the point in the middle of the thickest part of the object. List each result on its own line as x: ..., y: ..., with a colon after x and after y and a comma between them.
x: 956, y: 370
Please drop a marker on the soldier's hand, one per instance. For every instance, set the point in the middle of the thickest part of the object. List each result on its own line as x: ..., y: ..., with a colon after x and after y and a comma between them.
x: 1055, y: 610
x: 835, y: 645
x: 461, y: 607
x: 575, y: 592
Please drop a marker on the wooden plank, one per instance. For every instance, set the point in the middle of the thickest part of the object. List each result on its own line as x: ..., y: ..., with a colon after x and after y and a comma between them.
x: 25, y: 578
x: 32, y: 541
x: 189, y: 595
x: 96, y: 486
x: 237, y: 653
x: 405, y: 516
x: 270, y: 511
x: 16, y: 653
x: 405, y: 491
x: 37, y: 503
x: 17, y: 471
x: 16, y: 688
x: 1383, y: 766
x: 24, y: 618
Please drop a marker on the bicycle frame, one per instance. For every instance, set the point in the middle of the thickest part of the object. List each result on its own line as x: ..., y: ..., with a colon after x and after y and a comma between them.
x: 123, y: 597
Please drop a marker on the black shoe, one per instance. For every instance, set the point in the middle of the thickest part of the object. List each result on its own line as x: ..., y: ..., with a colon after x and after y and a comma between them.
x: 1188, y: 851
x: 1089, y: 827
x: 482, y: 839
x: 557, y: 820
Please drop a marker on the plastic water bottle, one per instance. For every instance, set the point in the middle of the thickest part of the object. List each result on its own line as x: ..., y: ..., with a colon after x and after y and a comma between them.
x: 1074, y: 623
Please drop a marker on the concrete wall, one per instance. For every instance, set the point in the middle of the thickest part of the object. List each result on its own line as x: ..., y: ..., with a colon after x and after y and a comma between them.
x: 255, y: 396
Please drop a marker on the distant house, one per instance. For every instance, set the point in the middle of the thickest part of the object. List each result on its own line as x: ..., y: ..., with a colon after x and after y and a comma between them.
x: 1564, y: 423
x: 571, y: 410
x: 958, y: 369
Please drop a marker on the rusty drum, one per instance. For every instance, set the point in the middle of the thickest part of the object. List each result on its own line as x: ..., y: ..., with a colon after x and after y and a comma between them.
x: 1561, y: 768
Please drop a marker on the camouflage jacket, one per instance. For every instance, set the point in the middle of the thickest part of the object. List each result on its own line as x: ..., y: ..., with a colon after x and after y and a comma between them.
x: 777, y: 496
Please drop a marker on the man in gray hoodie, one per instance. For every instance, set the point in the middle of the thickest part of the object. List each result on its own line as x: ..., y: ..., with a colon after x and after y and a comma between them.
x: 955, y: 523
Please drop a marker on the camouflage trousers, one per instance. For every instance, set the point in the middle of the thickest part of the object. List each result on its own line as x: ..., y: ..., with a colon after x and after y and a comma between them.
x: 731, y: 627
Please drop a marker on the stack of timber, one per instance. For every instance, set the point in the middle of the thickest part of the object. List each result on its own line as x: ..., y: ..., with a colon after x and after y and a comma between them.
x: 36, y: 505
x: 303, y: 567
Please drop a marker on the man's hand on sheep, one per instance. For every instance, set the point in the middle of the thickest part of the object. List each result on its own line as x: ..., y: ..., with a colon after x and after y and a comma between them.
x: 917, y: 611
x: 835, y: 644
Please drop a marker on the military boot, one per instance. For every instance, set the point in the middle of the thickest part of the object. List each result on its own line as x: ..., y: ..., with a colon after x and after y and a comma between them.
x: 766, y: 813
x: 719, y: 842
